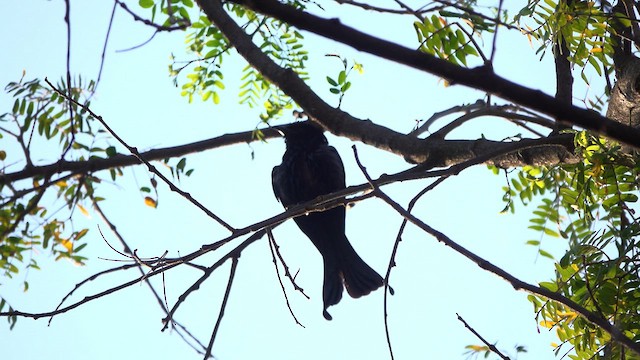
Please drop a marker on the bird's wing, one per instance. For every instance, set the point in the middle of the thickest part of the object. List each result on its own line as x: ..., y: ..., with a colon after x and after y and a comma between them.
x: 275, y: 182
x: 332, y: 176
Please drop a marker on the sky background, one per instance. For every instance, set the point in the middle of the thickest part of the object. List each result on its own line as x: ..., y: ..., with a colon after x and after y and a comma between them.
x: 138, y: 100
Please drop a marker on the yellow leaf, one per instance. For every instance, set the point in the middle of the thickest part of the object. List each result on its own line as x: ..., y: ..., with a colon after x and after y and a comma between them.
x: 81, y: 233
x: 596, y: 50
x: 83, y: 210
x: 477, y: 348
x: 67, y: 244
x: 547, y: 324
x: 575, y: 267
x: 61, y: 183
x: 150, y: 202
x: 568, y: 314
x: 359, y: 68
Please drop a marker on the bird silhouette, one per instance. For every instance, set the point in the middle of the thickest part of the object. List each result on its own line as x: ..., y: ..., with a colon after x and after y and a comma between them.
x: 311, y: 168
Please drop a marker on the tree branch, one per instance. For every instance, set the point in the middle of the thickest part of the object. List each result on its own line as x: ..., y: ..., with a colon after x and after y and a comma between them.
x: 490, y: 346
x: 232, y: 275
x: 517, y: 284
x: 481, y: 78
x: 121, y: 160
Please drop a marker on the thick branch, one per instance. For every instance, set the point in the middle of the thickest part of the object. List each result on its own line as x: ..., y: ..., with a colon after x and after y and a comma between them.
x: 442, y: 153
x: 120, y: 160
x: 481, y: 78
x: 439, y: 153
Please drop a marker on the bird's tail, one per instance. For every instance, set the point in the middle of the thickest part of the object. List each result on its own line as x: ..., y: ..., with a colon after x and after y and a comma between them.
x: 347, y: 268
x: 359, y: 278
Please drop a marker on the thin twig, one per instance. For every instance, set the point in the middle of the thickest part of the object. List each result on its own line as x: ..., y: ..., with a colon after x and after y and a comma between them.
x: 196, y: 285
x: 104, y: 49
x: 272, y: 245
x: 589, y: 289
x: 287, y: 273
x: 139, y: 264
x: 232, y: 274
x: 495, y: 32
x: 183, y: 25
x: 491, y: 346
x: 150, y: 167
x: 68, y: 95
x: 369, y: 7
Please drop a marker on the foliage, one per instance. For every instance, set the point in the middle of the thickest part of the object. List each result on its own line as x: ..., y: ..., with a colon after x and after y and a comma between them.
x: 38, y: 118
x: 39, y: 123
x: 340, y: 85
x: 591, y: 206
x: 278, y: 40
x: 582, y: 25
x: 448, y: 41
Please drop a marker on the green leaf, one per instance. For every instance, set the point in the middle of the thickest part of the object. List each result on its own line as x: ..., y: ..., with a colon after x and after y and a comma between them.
x: 111, y: 151
x: 342, y: 77
x: 181, y: 164
x: 145, y: 4
x: 551, y: 232
x: 545, y: 254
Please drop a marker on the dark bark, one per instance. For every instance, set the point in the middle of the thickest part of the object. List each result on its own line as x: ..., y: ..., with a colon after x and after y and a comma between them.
x: 624, y: 103
x: 548, y: 151
x: 564, y: 77
x: 481, y: 78
x: 120, y: 160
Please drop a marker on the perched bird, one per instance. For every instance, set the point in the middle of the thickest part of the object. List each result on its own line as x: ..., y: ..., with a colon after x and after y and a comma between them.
x: 310, y: 168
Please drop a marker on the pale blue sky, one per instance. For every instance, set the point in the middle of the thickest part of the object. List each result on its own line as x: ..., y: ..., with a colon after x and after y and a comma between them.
x: 137, y: 99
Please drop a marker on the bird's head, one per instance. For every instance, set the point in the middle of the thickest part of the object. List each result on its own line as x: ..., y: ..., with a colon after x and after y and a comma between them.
x: 305, y: 135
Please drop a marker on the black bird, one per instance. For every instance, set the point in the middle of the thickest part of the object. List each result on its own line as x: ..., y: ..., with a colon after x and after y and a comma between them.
x: 310, y: 168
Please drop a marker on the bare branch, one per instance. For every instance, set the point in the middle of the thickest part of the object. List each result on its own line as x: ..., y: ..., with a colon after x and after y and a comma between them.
x: 490, y: 346
x: 104, y: 49
x: 369, y: 7
x: 232, y: 274
x: 121, y: 160
x: 496, y: 111
x: 392, y: 258
x: 185, y: 24
x: 272, y: 246
x: 287, y: 273
x: 321, y: 203
x: 481, y: 78
x: 150, y: 167
x: 180, y: 329
x: 517, y: 284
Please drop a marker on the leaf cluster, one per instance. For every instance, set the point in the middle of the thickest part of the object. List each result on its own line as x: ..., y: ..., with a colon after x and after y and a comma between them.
x: 37, y: 214
x: 584, y: 27
x: 448, y: 41
x: 592, y: 207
